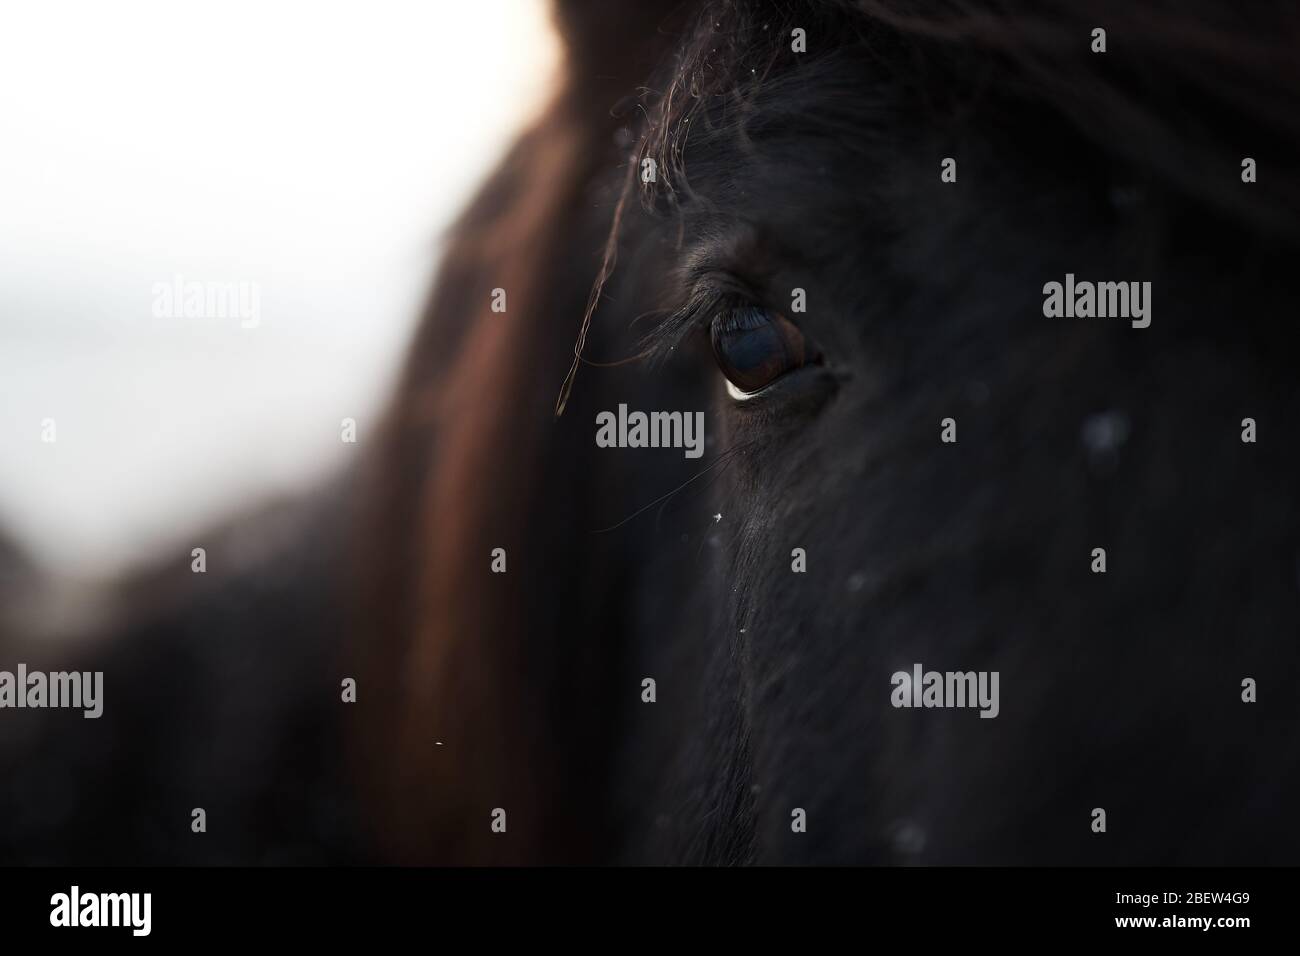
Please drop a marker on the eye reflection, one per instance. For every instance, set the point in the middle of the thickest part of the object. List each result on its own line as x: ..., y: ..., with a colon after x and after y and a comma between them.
x: 754, y: 347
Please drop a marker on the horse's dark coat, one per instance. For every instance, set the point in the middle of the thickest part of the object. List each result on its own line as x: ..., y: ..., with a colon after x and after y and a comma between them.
x: 779, y: 170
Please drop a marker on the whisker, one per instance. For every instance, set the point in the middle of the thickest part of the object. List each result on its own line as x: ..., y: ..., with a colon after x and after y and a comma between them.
x: 722, y: 457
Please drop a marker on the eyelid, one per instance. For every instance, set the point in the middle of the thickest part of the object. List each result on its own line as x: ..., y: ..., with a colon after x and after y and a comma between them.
x: 709, y: 290
x: 739, y: 396
x: 724, y: 282
x: 716, y: 291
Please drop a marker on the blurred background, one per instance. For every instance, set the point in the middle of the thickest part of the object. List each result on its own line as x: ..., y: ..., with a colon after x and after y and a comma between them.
x: 314, y: 152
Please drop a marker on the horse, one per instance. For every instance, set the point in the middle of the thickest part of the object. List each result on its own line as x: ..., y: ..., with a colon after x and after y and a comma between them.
x: 829, y: 227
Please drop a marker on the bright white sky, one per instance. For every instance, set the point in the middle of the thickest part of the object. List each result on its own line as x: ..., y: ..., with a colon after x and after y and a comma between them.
x: 315, y: 149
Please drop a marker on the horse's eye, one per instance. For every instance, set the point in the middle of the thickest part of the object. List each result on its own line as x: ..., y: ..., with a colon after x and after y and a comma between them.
x: 755, y: 347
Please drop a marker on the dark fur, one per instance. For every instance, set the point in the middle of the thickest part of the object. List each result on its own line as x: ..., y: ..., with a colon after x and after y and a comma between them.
x: 819, y: 171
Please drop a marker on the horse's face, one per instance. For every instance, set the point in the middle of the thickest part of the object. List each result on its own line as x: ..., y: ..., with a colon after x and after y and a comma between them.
x: 911, y: 462
x: 912, y: 465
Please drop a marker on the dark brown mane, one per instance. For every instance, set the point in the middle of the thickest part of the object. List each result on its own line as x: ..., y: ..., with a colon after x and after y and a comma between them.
x: 452, y: 480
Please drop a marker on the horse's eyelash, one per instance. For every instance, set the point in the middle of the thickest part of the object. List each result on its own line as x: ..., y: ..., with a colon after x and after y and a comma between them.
x: 709, y: 296
x: 696, y: 313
